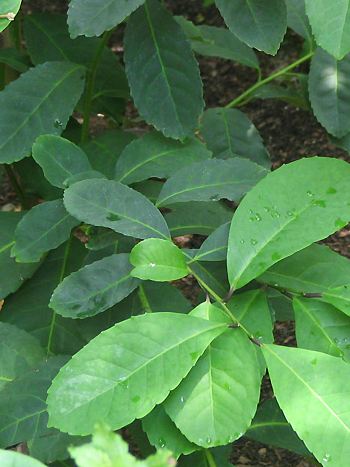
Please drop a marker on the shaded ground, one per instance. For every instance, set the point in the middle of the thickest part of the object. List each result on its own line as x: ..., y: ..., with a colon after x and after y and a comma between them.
x: 289, y: 134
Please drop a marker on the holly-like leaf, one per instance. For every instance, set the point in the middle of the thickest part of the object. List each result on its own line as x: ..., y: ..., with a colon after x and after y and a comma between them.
x: 229, y: 133
x: 106, y: 203
x: 285, y: 213
x: 94, y: 288
x: 259, y: 24
x: 153, y: 155
x: 59, y: 158
x: 163, y: 70
x: 329, y: 88
x: 43, y: 228
x: 127, y: 370
x: 39, y: 102
x: 321, y: 388
x: 211, y: 180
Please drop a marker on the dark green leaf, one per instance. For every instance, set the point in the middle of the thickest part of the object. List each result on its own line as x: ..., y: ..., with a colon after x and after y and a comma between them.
x: 107, y: 203
x: 298, y: 20
x: 157, y: 156
x: 43, y: 228
x: 94, y: 288
x: 229, y: 133
x: 259, y: 24
x: 214, y: 248
x: 211, y: 180
x: 165, y: 71
x: 39, y: 102
x: 15, y: 59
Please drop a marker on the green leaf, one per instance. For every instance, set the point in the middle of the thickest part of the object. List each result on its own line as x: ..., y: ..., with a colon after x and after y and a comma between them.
x: 259, y: 24
x: 22, y: 404
x: 161, y: 297
x: 127, y: 370
x: 211, y: 180
x: 39, y: 102
x: 165, y: 72
x: 218, y: 42
x: 19, y: 352
x: 9, y: 6
x: 321, y: 387
x: 330, y: 24
x: 215, y: 403
x: 59, y: 158
x: 107, y: 203
x: 229, y: 133
x: 219, y: 455
x: 153, y: 155
x: 15, y: 59
x: 314, y: 270
x: 94, y: 288
x: 88, y: 175
x: 214, y: 248
x: 12, y: 274
x: 91, y: 18
x: 28, y: 308
x: 298, y: 20
x: 321, y: 327
x: 329, y: 90
x: 270, y: 224
x: 158, y: 260
x: 271, y: 427
x: 162, y: 433
x: 292, y: 96
x: 252, y: 310
x: 43, y: 228
x: 213, y: 274
x: 199, y: 217
x: 104, y: 150
x: 16, y: 459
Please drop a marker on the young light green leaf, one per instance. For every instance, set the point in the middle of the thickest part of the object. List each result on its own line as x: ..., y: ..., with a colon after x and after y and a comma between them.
x: 107, y: 203
x: 23, y: 403
x: 214, y: 248
x: 329, y: 91
x: 12, y: 274
x: 158, y: 260
x: 259, y: 24
x: 211, y: 180
x: 104, y: 150
x: 153, y: 155
x: 92, y: 18
x: 197, y: 217
x: 252, y: 310
x: 94, y: 288
x: 50, y: 93
x: 229, y: 133
x: 270, y: 224
x: 8, y: 12
x: 59, y: 158
x: 314, y: 270
x: 43, y: 228
x: 163, y: 433
x: 10, y: 458
x: 321, y: 327
x: 19, y: 352
x: 218, y: 42
x: 165, y: 71
x: 115, y: 369
x: 330, y: 24
x: 321, y: 388
x: 209, y: 406
x: 271, y: 427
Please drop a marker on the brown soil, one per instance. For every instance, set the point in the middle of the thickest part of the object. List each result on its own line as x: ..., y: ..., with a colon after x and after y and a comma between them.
x: 289, y: 134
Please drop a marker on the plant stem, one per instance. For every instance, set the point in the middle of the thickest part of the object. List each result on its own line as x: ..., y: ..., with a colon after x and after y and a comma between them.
x: 90, y: 85
x: 223, y: 305
x: 16, y: 186
x: 209, y: 457
x: 246, y: 94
